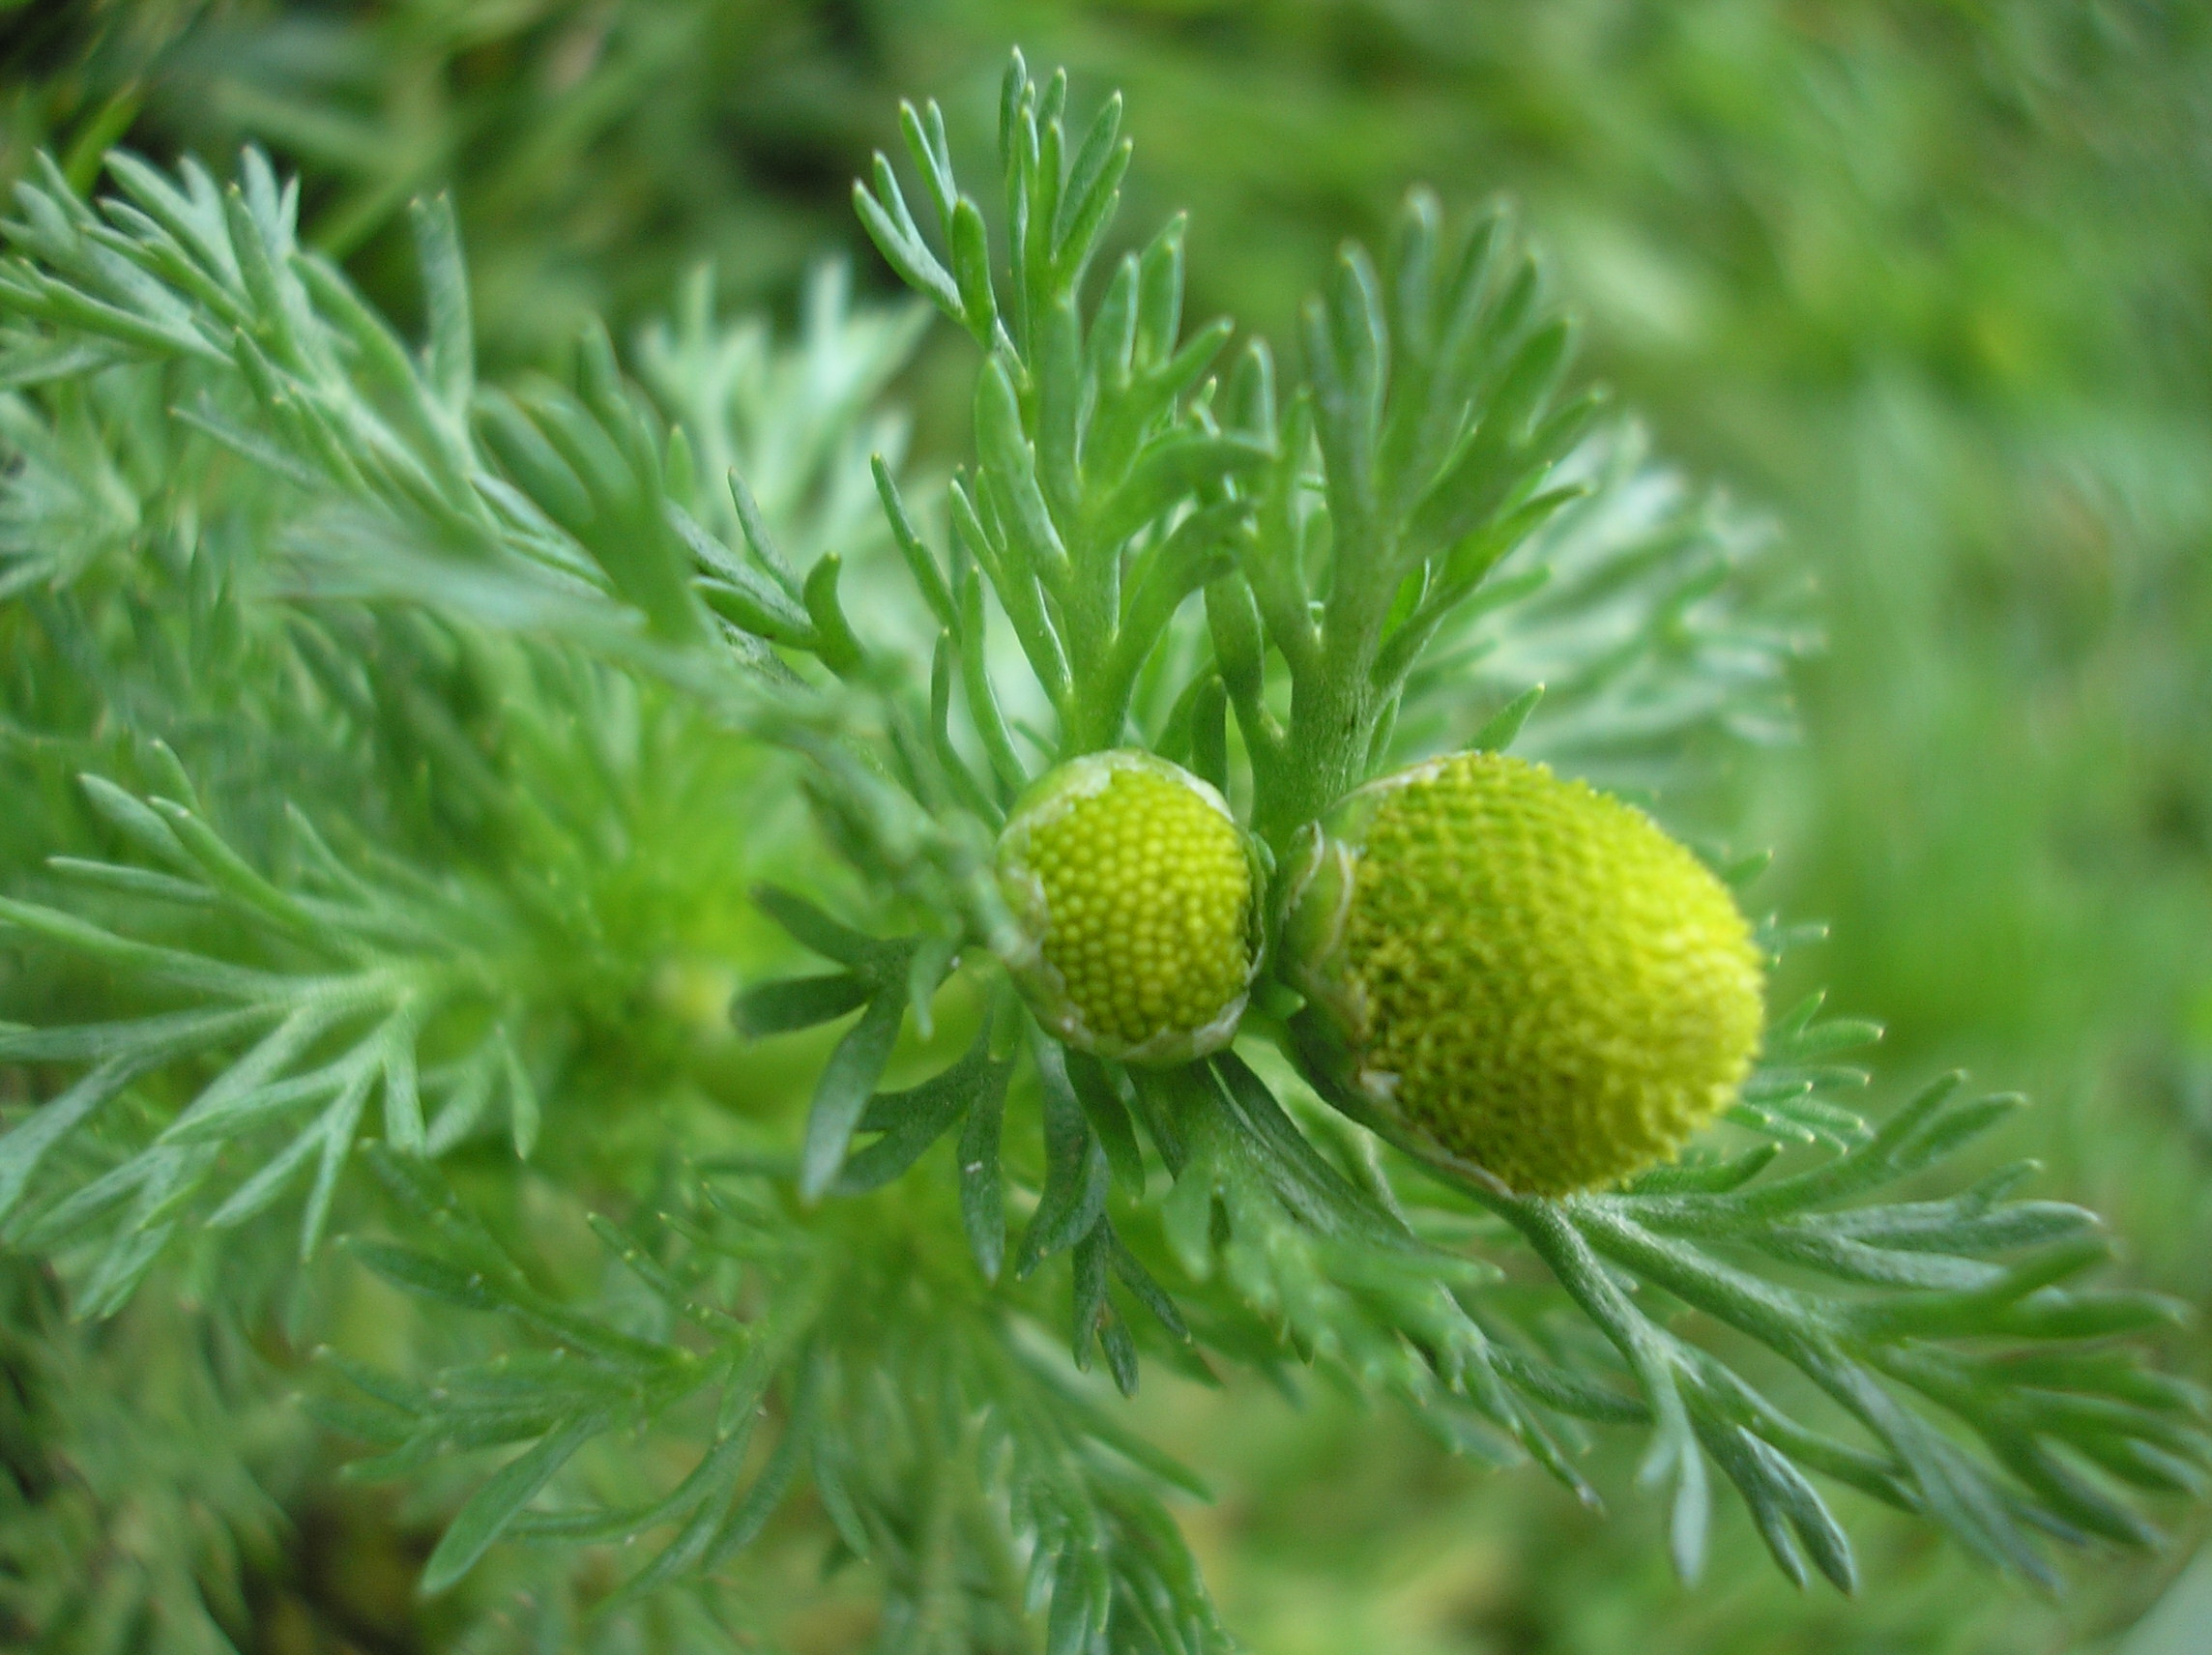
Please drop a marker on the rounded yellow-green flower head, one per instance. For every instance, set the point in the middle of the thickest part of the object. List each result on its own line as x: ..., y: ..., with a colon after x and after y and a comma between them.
x: 1523, y: 971
x: 1135, y: 891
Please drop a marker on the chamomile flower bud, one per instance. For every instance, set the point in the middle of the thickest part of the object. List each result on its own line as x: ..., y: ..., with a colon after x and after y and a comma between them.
x: 1522, y: 971
x: 1136, y: 894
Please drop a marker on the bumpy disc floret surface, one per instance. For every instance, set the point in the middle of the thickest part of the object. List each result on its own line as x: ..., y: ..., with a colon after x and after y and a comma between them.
x: 1147, y: 893
x: 1563, y: 993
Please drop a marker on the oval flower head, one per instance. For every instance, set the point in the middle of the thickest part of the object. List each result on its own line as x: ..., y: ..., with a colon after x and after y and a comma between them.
x: 1521, y: 972
x: 1136, y: 896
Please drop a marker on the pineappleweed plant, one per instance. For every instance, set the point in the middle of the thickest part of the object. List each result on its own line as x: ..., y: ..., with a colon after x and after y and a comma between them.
x: 401, y: 747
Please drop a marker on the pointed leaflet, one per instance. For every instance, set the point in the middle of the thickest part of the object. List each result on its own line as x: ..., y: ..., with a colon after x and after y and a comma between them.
x: 982, y: 1197
x: 798, y: 1002
x: 1076, y: 1177
x: 847, y: 1080
x: 913, y: 1119
x: 22, y: 1149
x: 492, y: 1507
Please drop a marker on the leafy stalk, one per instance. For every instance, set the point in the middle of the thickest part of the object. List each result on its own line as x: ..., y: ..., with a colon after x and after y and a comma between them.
x: 546, y: 659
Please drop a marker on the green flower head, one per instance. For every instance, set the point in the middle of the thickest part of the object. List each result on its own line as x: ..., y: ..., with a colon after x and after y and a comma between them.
x: 1136, y: 891
x: 1522, y: 971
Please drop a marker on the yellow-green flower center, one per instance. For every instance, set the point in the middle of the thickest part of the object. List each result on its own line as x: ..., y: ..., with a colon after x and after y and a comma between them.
x: 1147, y: 893
x: 1563, y: 993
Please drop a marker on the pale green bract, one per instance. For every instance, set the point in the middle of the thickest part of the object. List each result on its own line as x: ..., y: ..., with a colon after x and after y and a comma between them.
x: 433, y: 733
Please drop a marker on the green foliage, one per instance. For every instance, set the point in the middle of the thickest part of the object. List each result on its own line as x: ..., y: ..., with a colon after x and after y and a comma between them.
x: 551, y: 643
x: 141, y: 1462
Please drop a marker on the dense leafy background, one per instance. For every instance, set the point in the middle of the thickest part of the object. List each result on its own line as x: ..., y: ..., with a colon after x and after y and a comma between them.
x: 1933, y: 283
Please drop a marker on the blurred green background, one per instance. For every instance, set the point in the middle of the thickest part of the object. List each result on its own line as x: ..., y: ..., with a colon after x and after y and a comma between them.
x: 1931, y: 282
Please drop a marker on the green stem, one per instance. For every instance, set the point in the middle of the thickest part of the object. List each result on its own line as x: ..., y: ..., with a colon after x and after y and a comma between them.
x: 1334, y: 709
